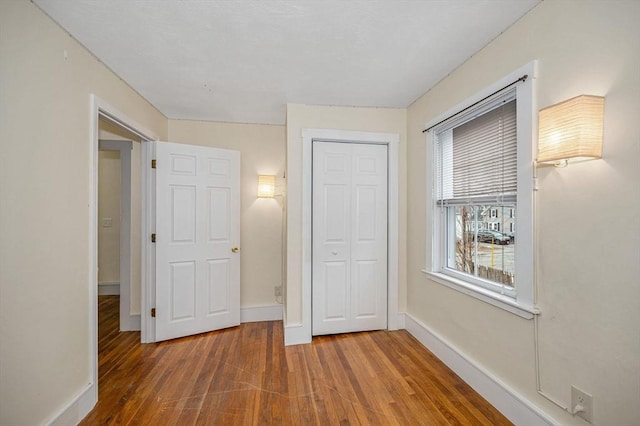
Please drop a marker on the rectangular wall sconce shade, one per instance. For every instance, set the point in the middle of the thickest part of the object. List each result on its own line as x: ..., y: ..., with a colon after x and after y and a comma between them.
x: 571, y: 130
x: 266, y: 186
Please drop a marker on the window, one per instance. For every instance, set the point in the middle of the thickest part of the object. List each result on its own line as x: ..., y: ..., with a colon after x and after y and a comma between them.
x: 480, y: 171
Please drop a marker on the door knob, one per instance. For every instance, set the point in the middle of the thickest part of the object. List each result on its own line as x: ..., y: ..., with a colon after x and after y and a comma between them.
x: 235, y: 249
x: 334, y: 252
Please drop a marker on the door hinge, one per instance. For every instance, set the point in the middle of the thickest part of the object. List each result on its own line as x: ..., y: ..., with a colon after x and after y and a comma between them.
x: 153, y: 164
x: 153, y: 238
x: 153, y: 312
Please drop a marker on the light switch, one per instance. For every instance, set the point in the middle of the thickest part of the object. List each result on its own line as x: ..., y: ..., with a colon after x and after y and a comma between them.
x: 107, y: 222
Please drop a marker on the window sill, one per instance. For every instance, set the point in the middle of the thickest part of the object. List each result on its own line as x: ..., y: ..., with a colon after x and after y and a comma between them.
x: 500, y: 301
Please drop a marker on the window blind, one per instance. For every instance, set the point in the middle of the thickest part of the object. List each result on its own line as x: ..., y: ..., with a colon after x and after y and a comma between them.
x: 477, y: 159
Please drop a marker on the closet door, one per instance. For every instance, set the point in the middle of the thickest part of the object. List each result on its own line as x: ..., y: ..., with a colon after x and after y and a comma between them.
x: 349, y: 232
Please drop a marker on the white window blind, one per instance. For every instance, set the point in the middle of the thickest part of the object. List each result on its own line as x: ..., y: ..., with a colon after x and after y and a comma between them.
x: 476, y: 156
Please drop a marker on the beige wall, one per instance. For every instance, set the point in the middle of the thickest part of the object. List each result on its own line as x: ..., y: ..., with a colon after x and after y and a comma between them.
x: 383, y: 120
x: 44, y: 247
x: 109, y: 208
x: 588, y: 221
x: 262, y: 150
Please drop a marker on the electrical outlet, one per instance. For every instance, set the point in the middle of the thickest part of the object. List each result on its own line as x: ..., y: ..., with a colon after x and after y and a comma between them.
x: 277, y: 291
x: 581, y: 404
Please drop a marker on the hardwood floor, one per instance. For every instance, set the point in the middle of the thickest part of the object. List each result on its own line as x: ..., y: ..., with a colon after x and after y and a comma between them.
x: 245, y: 376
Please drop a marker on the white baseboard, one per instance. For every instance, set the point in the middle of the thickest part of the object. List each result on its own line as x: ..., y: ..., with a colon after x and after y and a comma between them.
x: 296, y: 334
x: 261, y: 313
x: 77, y: 409
x: 130, y: 323
x: 108, y: 288
x: 510, y: 403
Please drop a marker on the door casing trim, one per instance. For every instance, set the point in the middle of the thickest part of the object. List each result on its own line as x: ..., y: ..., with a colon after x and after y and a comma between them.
x: 101, y: 109
x: 392, y: 140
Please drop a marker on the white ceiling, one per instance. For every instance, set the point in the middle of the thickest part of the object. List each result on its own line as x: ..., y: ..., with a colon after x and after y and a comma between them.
x: 244, y: 60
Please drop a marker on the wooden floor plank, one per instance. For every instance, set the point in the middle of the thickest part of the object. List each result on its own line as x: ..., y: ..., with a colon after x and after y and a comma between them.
x: 245, y: 376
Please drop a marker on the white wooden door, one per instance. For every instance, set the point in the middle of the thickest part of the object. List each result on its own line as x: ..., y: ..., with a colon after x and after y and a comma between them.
x: 197, y: 272
x: 349, y: 255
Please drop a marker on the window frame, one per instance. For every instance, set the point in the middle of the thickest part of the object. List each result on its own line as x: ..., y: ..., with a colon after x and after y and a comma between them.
x: 520, y: 302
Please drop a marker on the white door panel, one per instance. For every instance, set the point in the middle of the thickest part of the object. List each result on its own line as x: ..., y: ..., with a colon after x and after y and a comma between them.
x: 365, y: 289
x: 218, y: 286
x: 182, y: 291
x: 335, y: 289
x: 349, y: 265
x: 197, y: 225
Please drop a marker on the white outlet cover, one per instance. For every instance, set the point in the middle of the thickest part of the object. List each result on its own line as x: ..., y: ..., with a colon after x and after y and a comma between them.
x: 580, y: 397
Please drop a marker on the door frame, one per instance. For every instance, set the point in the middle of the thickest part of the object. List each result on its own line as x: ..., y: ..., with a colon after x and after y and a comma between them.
x: 148, y: 256
x: 102, y: 109
x: 392, y: 140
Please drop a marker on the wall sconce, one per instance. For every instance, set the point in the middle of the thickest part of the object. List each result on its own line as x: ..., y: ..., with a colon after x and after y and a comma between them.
x: 266, y: 186
x: 571, y: 130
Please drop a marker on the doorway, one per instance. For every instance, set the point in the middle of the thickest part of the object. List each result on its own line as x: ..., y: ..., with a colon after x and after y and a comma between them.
x: 303, y: 333
x: 101, y: 111
x: 119, y: 222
